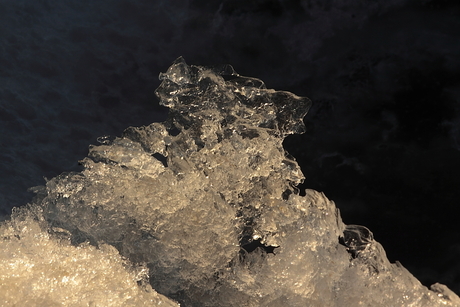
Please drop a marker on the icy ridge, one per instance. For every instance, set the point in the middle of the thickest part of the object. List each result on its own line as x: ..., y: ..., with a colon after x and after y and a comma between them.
x: 207, y: 201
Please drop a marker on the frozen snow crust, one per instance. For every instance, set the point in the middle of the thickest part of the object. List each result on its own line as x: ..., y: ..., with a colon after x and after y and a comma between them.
x: 40, y: 267
x: 207, y: 204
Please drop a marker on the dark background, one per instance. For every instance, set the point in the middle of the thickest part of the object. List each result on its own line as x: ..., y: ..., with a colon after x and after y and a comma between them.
x: 383, y: 135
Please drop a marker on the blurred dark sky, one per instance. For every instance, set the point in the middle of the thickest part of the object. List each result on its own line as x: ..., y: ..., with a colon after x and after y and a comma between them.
x: 383, y: 135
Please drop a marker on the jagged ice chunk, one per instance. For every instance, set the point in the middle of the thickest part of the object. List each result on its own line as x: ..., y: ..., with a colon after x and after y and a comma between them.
x: 208, y: 202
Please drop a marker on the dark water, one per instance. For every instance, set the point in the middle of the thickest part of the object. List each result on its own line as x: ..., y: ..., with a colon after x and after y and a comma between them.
x: 383, y: 135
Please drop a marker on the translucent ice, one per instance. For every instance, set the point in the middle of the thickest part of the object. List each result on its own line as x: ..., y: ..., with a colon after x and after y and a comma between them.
x: 39, y: 267
x: 207, y: 201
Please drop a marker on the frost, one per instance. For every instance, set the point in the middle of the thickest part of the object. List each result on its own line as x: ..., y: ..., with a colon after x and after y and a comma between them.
x: 39, y: 267
x: 208, y: 203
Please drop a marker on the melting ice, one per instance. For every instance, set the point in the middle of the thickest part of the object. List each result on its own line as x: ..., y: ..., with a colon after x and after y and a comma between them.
x: 201, y: 210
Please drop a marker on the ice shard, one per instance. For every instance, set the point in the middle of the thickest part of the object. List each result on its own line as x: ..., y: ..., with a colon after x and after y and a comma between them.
x: 207, y: 202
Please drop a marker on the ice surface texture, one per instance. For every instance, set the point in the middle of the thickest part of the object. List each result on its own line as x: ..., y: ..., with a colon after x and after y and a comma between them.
x: 207, y: 201
x: 39, y: 267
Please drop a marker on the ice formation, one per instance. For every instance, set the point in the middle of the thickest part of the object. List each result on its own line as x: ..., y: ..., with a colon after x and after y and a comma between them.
x: 207, y: 204
x: 39, y: 268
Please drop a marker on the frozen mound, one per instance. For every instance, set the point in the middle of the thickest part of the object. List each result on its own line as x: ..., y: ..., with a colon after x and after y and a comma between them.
x: 39, y: 267
x: 207, y: 201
